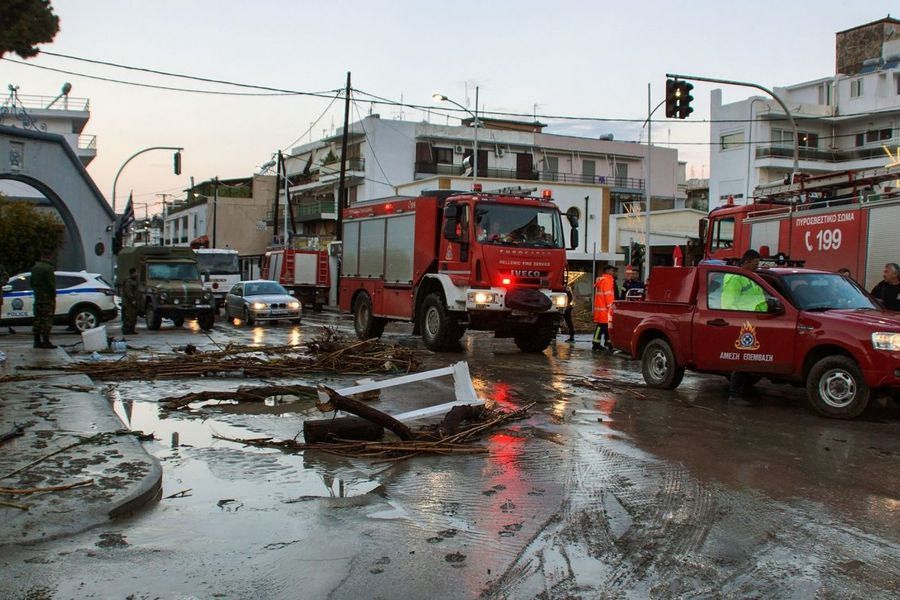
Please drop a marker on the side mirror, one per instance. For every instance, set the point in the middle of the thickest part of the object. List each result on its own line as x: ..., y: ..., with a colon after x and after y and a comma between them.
x: 774, y: 306
x: 451, y: 213
x: 205, y: 274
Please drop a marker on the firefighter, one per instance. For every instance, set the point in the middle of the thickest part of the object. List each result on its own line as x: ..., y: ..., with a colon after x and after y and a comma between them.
x: 604, y: 296
x: 43, y: 282
x: 130, y: 303
x: 739, y: 293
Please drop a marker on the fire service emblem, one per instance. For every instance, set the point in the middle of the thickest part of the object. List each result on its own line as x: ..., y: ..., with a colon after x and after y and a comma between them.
x: 747, y: 339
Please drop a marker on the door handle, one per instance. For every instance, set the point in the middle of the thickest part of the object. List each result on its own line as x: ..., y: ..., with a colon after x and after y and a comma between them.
x: 717, y: 322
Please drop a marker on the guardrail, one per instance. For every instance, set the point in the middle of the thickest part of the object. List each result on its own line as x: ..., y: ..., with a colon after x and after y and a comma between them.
x: 54, y: 102
x: 87, y: 142
x: 819, y: 155
x: 427, y: 168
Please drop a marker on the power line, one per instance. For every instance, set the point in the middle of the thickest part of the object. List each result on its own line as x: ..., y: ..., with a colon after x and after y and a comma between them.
x: 314, y: 123
x: 322, y: 94
x: 371, y: 146
x: 144, y: 85
x: 531, y: 116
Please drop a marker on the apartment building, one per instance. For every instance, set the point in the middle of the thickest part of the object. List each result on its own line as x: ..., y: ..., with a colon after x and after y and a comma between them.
x: 595, y: 178
x: 849, y: 120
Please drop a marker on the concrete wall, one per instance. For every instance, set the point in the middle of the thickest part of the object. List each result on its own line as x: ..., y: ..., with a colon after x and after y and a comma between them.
x: 48, y: 163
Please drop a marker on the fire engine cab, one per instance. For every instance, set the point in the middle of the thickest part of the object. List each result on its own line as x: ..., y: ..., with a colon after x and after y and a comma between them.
x: 451, y: 261
x: 846, y: 219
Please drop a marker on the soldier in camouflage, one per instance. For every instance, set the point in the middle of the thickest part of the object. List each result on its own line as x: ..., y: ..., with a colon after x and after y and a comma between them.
x: 130, y: 303
x: 43, y: 282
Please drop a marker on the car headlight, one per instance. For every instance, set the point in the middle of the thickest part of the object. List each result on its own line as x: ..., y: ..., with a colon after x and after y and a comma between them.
x: 482, y: 297
x: 259, y: 305
x: 163, y: 296
x: 561, y: 301
x: 295, y: 305
x: 884, y: 340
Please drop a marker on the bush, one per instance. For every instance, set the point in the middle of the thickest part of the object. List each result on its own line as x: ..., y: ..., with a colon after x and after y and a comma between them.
x: 25, y: 233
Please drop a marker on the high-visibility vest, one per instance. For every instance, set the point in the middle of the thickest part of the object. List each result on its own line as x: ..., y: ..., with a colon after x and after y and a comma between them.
x: 603, y: 298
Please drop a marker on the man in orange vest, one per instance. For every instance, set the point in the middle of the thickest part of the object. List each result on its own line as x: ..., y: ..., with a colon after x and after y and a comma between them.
x: 604, y: 296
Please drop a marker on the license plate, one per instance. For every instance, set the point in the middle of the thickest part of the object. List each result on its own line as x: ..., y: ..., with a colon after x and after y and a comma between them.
x: 201, y: 306
x: 278, y: 313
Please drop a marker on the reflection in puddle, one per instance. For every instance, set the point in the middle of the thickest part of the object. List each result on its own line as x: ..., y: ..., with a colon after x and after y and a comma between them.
x: 195, y: 457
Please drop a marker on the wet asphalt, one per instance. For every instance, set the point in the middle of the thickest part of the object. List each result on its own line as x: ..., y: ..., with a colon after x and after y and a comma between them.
x: 608, y: 489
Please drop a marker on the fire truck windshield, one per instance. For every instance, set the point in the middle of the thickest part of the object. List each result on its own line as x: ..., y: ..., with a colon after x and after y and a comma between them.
x: 518, y: 225
x: 825, y: 291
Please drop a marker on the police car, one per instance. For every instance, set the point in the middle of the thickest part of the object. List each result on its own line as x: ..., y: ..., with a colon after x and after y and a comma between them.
x: 83, y: 300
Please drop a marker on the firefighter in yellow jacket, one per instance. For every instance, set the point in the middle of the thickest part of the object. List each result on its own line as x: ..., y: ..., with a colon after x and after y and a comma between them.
x: 604, y: 296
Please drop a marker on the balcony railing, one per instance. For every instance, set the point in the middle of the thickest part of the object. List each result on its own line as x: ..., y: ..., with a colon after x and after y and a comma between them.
x: 318, y: 206
x: 87, y: 142
x: 532, y: 175
x: 333, y: 167
x: 44, y: 102
x: 819, y: 155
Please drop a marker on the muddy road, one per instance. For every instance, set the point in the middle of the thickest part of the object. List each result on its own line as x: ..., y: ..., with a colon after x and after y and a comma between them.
x: 602, y: 492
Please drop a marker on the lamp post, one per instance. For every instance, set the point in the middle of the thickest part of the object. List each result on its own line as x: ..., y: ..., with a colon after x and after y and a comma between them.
x: 135, y: 155
x: 476, y: 123
x: 647, y: 179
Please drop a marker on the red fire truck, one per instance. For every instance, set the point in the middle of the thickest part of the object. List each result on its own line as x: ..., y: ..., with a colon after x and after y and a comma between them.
x: 303, y: 272
x: 452, y: 261
x: 848, y: 219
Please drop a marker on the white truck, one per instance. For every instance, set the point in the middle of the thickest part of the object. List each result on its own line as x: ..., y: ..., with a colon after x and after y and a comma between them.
x: 220, y: 270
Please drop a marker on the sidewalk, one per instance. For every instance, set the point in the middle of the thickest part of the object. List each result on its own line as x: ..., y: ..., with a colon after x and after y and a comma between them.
x: 59, y: 410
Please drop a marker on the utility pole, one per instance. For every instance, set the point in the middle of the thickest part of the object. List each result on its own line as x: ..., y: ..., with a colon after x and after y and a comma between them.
x: 288, y: 210
x: 277, y: 199
x: 339, y: 234
x: 648, y: 179
x: 475, y: 144
x: 215, y: 209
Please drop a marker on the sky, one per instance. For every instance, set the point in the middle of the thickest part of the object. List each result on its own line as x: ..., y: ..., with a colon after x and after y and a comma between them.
x: 580, y: 58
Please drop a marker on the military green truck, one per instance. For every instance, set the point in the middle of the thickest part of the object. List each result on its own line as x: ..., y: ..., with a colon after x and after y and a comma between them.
x: 169, y: 285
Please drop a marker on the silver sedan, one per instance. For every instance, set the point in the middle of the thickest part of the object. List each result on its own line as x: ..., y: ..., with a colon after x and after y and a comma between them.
x: 261, y: 300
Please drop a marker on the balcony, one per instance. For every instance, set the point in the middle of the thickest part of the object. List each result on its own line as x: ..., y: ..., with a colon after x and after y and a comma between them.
x: 330, y: 171
x: 315, y: 209
x: 30, y: 101
x: 87, y: 142
x: 831, y: 156
x: 630, y: 183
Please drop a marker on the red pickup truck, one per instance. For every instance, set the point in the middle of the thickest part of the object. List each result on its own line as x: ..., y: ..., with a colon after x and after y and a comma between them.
x: 790, y: 325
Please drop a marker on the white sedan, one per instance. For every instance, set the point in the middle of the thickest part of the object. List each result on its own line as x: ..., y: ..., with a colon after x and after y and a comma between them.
x: 261, y: 300
x: 83, y: 300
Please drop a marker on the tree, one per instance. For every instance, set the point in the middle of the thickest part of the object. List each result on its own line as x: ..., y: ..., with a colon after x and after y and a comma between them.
x: 25, y: 232
x: 24, y: 23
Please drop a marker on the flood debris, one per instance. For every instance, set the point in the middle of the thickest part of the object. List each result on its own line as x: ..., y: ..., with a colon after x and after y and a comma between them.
x: 43, y: 490
x: 14, y: 432
x: 328, y: 353
x: 348, y: 428
x: 427, y: 440
x: 242, y: 394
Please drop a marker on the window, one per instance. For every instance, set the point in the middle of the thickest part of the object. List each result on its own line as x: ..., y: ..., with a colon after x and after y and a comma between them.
x: 856, y: 88
x: 730, y: 141
x: 66, y: 281
x: 860, y: 139
x: 825, y: 94
x: 588, y: 170
x: 877, y: 135
x: 21, y: 283
x: 806, y: 139
x: 622, y: 172
x: 443, y: 156
x: 551, y: 164
x: 730, y: 291
x: 723, y: 236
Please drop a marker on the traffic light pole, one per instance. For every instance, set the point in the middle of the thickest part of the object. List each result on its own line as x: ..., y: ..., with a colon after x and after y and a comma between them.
x: 132, y: 157
x: 759, y: 87
x: 647, y: 179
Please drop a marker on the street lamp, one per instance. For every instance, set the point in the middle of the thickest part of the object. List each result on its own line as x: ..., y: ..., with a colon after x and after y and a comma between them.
x: 475, y: 122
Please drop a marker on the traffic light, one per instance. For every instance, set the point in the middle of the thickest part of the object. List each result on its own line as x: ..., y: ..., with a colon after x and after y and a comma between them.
x: 637, y: 255
x: 177, y: 162
x: 671, y: 98
x: 683, y: 96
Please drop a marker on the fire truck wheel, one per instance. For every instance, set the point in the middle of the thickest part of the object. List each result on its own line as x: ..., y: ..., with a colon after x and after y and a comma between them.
x: 440, y: 331
x: 536, y: 339
x: 836, y: 388
x: 366, y: 324
x: 659, y: 367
